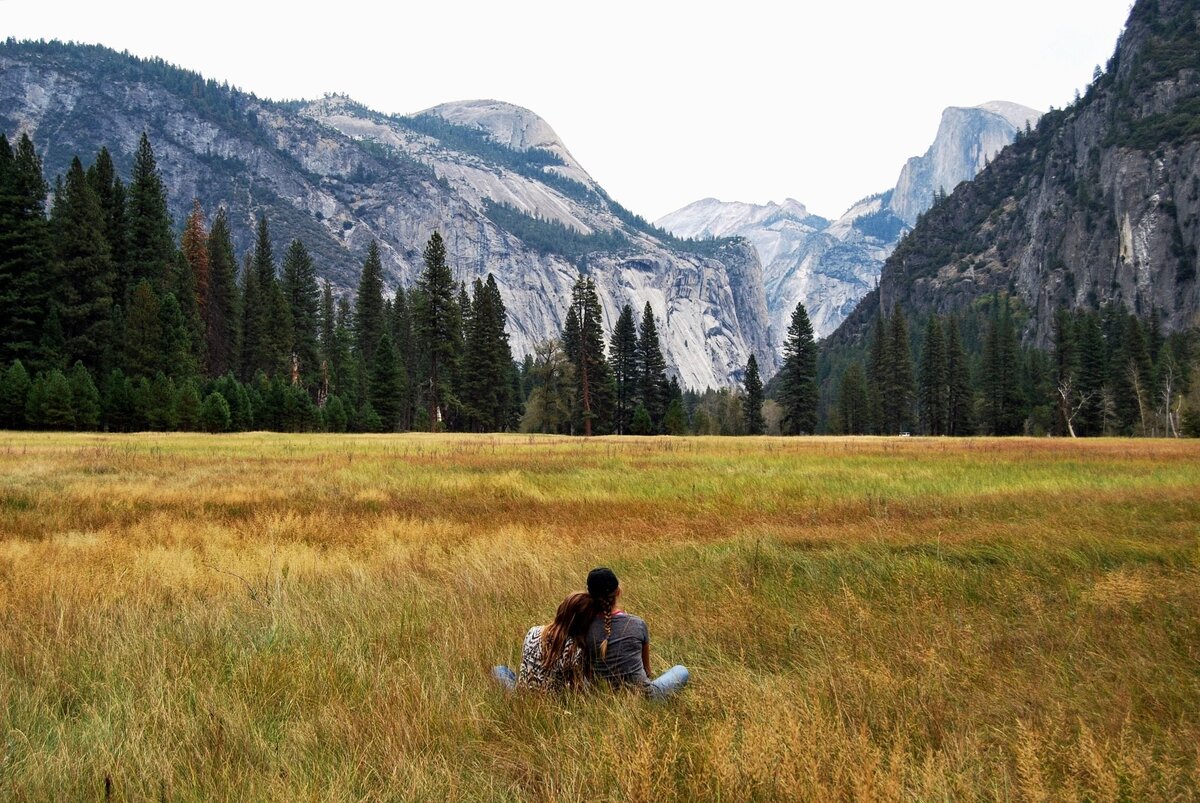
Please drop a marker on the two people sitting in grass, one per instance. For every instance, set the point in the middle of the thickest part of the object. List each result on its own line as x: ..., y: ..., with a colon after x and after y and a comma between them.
x: 591, y: 640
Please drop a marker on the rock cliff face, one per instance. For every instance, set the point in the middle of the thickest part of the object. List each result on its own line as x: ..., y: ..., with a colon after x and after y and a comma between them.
x: 967, y: 138
x: 829, y: 266
x: 1100, y: 203
x: 493, y: 178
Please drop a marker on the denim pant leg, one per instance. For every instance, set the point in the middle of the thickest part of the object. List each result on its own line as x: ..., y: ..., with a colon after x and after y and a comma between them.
x: 505, y: 677
x: 669, y: 682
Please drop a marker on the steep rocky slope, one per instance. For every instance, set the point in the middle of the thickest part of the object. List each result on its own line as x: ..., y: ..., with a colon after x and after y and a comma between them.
x: 1100, y: 203
x: 494, y: 178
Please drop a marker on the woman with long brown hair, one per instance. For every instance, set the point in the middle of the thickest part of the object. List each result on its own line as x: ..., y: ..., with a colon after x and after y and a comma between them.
x: 552, y: 656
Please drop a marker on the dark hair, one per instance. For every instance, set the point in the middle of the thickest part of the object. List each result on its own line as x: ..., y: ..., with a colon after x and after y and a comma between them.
x: 602, y: 581
x: 602, y: 587
x: 572, y: 620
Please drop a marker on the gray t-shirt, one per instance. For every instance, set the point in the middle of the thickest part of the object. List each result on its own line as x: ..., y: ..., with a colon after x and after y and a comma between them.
x: 622, y: 664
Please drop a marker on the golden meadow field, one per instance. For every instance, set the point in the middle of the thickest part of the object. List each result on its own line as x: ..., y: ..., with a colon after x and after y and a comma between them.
x: 279, y: 617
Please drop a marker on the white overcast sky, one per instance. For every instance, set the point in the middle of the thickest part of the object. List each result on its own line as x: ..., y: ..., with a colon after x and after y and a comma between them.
x: 663, y: 103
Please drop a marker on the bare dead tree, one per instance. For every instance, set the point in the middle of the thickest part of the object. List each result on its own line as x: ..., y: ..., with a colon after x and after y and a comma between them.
x: 1139, y: 392
x: 1172, y: 400
x: 1070, y: 406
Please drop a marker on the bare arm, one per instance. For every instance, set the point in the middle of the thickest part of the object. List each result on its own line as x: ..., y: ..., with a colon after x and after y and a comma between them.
x: 646, y: 656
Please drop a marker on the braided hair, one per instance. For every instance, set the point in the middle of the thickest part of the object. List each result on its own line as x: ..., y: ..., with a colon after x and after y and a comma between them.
x: 603, y: 586
x: 604, y: 607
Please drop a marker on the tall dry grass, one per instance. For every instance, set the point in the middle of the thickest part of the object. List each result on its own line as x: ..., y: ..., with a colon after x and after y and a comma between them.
x: 312, y: 618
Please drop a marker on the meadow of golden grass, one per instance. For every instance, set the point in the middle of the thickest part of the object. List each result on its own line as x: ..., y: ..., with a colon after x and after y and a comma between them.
x: 284, y: 617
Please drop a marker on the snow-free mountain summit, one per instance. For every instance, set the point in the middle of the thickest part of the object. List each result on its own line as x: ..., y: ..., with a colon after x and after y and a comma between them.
x: 493, y: 178
x: 829, y: 265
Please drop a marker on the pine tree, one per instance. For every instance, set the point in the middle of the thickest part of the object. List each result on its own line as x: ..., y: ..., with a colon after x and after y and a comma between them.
x: 934, y: 387
x: 220, y: 310
x: 304, y: 301
x: 194, y: 246
x: 55, y: 410
x: 176, y: 357
x: 369, y: 319
x: 183, y: 288
x: 853, y: 403
x: 14, y: 393
x: 900, y: 387
x: 82, y: 290
x: 959, y: 406
x: 623, y: 355
x: 110, y: 193
x: 334, y: 415
x: 1092, y: 374
x: 583, y: 341
x: 214, y: 413
x: 755, y: 425
x: 1003, y: 407
x: 386, y: 389
x: 675, y: 421
x: 274, y: 349
x: 439, y: 326
x: 487, y: 363
x: 52, y: 348
x: 188, y: 407
x: 652, y: 368
x: 143, y: 346
x: 251, y: 329
x: 1132, y: 380
x: 117, y: 405
x: 160, y: 403
x: 641, y: 423
x: 85, y: 398
x: 879, y: 363
x: 798, y: 376
x: 150, y: 247
x: 25, y: 252
x: 405, y: 340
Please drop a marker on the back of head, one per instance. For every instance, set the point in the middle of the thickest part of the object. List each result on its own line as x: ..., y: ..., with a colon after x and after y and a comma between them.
x: 602, y: 586
x: 572, y: 619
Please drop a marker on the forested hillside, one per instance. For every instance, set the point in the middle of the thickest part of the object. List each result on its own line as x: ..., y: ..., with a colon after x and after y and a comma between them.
x: 1088, y: 224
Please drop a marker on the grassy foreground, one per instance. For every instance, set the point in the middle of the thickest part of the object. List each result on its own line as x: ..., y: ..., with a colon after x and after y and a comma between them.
x: 313, y: 617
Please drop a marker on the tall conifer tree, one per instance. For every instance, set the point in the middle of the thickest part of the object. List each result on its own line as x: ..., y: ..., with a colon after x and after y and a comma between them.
x: 798, y: 376
x: 623, y: 354
x: 221, y: 313
x: 959, y: 407
x: 304, y: 302
x: 933, y: 386
x: 110, y: 193
x: 439, y: 325
x: 652, y: 369
x: 82, y: 290
x: 853, y: 403
x: 752, y: 409
x: 25, y: 252
x: 150, y: 247
x: 900, y: 384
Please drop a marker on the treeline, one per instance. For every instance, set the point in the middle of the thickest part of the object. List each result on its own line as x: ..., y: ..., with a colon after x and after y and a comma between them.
x: 575, y: 387
x: 1108, y: 373
x: 107, y: 321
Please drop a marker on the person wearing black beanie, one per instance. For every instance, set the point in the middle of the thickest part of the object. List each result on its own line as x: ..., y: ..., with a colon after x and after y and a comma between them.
x: 618, y: 643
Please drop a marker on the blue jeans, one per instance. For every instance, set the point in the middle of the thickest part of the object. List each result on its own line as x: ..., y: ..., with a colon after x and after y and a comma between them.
x: 505, y: 677
x: 668, y: 682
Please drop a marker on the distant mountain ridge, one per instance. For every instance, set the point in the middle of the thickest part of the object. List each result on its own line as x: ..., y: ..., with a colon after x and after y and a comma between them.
x: 1099, y: 203
x: 831, y: 265
x: 505, y: 192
